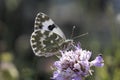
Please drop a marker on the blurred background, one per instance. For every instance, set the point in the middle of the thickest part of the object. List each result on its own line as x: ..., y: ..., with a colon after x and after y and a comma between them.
x: 100, y: 18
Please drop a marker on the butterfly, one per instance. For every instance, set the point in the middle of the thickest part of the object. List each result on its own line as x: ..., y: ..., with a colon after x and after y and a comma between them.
x: 47, y: 38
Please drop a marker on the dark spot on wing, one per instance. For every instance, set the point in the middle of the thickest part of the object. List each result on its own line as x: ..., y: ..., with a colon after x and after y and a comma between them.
x: 51, y: 27
x: 40, y: 26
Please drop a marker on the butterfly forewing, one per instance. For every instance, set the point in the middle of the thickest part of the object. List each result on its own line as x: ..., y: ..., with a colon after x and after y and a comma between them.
x: 43, y: 22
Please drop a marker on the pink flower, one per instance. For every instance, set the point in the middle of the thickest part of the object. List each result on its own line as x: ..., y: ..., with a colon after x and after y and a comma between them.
x: 75, y: 64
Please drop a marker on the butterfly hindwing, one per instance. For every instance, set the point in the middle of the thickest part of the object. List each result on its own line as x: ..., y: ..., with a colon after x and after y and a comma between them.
x: 43, y: 45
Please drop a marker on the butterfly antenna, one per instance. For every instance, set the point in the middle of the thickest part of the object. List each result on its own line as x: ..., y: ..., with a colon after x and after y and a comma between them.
x: 72, y: 32
x: 80, y: 35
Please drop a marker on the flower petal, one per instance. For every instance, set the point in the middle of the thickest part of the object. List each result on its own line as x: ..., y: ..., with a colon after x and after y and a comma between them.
x: 99, y: 62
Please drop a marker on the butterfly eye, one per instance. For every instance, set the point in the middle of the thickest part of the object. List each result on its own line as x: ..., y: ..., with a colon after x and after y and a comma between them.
x: 50, y: 27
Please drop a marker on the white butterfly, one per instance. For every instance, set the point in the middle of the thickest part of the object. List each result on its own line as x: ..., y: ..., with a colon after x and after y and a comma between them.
x: 47, y: 38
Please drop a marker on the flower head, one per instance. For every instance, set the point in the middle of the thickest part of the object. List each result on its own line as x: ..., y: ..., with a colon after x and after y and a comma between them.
x: 75, y: 64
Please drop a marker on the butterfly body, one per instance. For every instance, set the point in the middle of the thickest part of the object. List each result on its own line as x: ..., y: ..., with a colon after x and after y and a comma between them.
x: 47, y: 38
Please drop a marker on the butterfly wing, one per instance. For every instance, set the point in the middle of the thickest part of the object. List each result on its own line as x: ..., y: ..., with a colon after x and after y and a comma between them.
x: 47, y: 37
x: 45, y: 45
x: 43, y: 22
